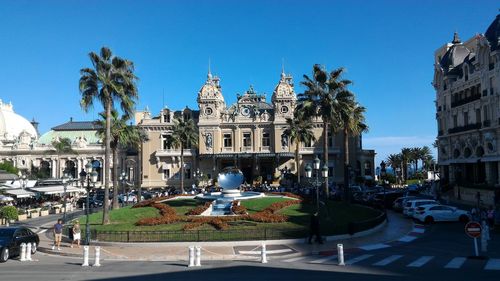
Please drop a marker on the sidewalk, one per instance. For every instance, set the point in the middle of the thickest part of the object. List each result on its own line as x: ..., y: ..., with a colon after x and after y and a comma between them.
x: 396, y: 228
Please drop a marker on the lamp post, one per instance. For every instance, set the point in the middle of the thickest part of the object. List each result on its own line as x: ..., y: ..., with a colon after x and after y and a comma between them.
x: 65, y: 180
x: 90, y: 175
x: 316, y: 181
x: 24, y: 181
x: 198, y: 175
x: 123, y: 179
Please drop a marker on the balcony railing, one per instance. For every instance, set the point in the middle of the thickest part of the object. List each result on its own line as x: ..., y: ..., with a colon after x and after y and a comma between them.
x: 486, y: 123
x: 465, y: 100
x: 174, y: 152
x: 465, y: 128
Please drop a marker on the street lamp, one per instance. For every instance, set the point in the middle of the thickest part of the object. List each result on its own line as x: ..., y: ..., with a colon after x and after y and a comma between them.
x: 66, y: 179
x: 24, y: 181
x: 88, y: 174
x: 198, y: 175
x: 316, y: 181
x: 123, y: 179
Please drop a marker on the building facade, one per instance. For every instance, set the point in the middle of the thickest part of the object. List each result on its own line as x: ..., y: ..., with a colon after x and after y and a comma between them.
x: 247, y: 134
x: 466, y: 80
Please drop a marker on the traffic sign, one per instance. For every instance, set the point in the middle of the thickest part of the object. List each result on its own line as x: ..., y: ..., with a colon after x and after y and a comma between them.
x: 473, y: 229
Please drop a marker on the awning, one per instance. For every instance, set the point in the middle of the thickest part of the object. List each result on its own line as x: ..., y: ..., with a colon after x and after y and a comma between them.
x: 56, y: 189
x: 20, y: 193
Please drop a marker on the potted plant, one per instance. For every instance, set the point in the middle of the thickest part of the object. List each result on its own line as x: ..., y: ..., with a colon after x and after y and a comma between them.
x: 44, y: 211
x: 56, y: 209
x: 21, y: 216
x: 34, y: 213
x: 9, y: 213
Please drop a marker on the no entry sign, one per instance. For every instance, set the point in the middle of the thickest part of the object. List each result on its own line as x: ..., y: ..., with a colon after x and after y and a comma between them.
x: 473, y: 229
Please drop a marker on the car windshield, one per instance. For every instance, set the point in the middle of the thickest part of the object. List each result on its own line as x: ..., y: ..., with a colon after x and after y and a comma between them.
x: 6, y: 232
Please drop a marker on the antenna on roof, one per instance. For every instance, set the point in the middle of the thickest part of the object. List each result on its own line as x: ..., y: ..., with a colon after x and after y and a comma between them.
x: 282, y: 65
x: 163, y: 98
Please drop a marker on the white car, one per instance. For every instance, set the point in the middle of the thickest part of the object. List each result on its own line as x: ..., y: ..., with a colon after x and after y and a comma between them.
x: 432, y: 213
x: 411, y: 205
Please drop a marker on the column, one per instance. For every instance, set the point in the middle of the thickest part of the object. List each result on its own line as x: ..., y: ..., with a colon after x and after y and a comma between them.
x: 78, y: 165
x: 488, y: 172
x: 53, y: 169
x: 451, y: 173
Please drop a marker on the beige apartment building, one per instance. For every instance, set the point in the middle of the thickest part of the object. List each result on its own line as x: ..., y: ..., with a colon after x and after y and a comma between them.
x: 466, y: 80
x: 247, y: 134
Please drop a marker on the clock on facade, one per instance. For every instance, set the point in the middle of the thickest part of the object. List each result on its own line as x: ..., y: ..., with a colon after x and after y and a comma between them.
x: 208, y: 111
x: 245, y: 111
x: 284, y: 109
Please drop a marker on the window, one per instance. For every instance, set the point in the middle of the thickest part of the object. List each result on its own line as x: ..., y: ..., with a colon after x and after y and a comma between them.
x: 247, y: 139
x: 478, y: 115
x: 265, y: 139
x: 165, y: 143
x: 166, y: 117
x: 227, y: 140
x: 455, y: 121
x: 485, y: 112
x: 166, y: 174
x: 466, y: 118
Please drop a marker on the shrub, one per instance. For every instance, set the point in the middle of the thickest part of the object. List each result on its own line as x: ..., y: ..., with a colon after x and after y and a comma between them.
x: 9, y: 213
x: 238, y: 209
x: 199, y: 210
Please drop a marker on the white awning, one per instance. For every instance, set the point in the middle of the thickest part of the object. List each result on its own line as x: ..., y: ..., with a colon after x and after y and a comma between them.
x: 20, y: 193
x: 56, y: 189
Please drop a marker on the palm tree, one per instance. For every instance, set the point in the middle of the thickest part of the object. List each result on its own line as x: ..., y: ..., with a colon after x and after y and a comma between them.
x: 405, y: 158
x: 415, y: 153
x: 299, y: 130
x: 111, y: 81
x: 395, y: 161
x: 353, y: 124
x: 184, y: 135
x: 62, y: 146
x: 326, y: 96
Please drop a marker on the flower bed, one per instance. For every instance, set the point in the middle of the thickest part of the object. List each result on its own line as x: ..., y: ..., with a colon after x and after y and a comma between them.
x: 238, y: 209
x: 199, y: 210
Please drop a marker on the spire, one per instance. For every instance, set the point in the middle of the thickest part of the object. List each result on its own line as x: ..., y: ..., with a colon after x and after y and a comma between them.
x: 209, y: 75
x: 282, y: 67
x: 456, y: 39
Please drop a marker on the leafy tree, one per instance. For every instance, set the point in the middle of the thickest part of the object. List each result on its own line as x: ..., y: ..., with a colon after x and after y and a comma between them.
x: 405, y: 159
x: 9, y: 167
x: 62, y: 146
x: 184, y: 135
x: 395, y: 161
x: 111, y: 81
x: 8, y: 213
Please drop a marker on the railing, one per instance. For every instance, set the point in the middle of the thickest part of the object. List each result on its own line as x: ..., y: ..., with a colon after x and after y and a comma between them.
x: 465, y: 128
x: 174, y: 152
x: 465, y: 100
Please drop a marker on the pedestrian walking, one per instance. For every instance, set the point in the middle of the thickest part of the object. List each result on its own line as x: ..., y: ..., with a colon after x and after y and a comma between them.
x: 58, y: 227
x: 76, y: 234
x: 315, y: 230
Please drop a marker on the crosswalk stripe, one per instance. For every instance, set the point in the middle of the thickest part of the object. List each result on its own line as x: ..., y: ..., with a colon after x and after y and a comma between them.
x: 374, y: 247
x: 322, y: 260
x: 421, y: 261
x: 295, y: 259
x: 493, y: 264
x: 388, y: 260
x: 456, y: 262
x: 358, y: 259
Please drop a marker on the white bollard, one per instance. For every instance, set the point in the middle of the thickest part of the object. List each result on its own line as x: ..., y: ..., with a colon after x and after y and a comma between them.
x: 263, y: 258
x: 97, y: 261
x: 23, y: 251
x: 340, y: 250
x: 28, y: 251
x: 197, y: 260
x: 191, y: 256
x: 85, y: 256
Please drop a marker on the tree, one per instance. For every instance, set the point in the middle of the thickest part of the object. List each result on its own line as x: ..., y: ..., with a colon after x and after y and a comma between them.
x: 353, y: 124
x: 395, y: 161
x: 184, y: 135
x: 299, y: 130
x: 8, y: 213
x: 62, y: 146
x: 405, y: 159
x: 326, y: 96
x: 111, y: 81
x: 9, y: 167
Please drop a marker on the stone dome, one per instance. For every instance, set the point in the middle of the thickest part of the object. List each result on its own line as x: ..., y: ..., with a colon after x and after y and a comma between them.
x: 493, y: 33
x: 211, y: 90
x: 455, y: 55
x: 13, y: 124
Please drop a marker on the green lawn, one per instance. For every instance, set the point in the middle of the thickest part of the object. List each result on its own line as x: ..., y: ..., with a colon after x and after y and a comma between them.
x: 335, y: 217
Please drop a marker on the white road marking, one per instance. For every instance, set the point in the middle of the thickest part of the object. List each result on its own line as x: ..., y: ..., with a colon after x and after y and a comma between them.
x: 269, y: 252
x: 421, y: 261
x: 323, y: 260
x: 493, y: 264
x: 388, y: 260
x: 358, y: 259
x: 295, y: 259
x: 374, y: 247
x: 407, y: 238
x: 456, y: 262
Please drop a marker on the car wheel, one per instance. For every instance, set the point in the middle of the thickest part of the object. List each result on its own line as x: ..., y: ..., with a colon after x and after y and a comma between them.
x: 4, y: 255
x: 33, y: 248
x: 429, y: 219
x: 463, y: 218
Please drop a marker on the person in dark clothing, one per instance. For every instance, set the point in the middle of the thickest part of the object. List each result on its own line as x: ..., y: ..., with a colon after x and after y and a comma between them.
x: 314, y: 231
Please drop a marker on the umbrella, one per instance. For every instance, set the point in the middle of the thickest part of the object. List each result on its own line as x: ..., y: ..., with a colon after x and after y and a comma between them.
x: 6, y: 198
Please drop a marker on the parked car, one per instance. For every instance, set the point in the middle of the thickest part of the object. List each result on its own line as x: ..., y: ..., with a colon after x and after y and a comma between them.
x: 11, y: 239
x: 411, y: 205
x: 399, y: 203
x: 93, y: 203
x: 386, y: 199
x: 434, y: 213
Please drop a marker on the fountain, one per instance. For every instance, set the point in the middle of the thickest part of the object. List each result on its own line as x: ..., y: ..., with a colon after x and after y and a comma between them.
x: 229, y: 180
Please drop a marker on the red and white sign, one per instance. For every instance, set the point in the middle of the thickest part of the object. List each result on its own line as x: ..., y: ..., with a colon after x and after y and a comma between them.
x: 473, y: 229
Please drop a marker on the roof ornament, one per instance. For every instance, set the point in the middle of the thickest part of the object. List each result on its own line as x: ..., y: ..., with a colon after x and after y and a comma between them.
x: 283, y: 68
x: 209, y: 75
x: 456, y: 39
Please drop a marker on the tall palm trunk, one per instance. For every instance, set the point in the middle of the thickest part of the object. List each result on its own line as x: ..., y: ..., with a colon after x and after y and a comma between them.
x: 115, y: 177
x: 347, y: 175
x: 182, y: 169
x: 139, y: 189
x: 325, y: 156
x: 105, y: 211
x: 297, y: 160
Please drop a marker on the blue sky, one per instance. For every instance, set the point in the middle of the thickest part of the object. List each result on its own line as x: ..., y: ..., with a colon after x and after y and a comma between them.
x: 386, y: 47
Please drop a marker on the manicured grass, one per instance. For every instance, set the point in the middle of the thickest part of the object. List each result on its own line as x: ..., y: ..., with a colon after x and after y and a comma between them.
x: 335, y: 217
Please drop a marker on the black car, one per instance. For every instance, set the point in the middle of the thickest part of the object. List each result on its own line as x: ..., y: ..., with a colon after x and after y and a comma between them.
x: 11, y: 239
x: 93, y: 203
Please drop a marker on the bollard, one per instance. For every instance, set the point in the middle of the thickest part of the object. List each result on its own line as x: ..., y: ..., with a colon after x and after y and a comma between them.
x: 340, y: 250
x: 263, y: 258
x: 28, y: 251
x: 197, y: 260
x: 191, y: 256
x: 97, y: 256
x: 85, y: 256
x: 23, y: 251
